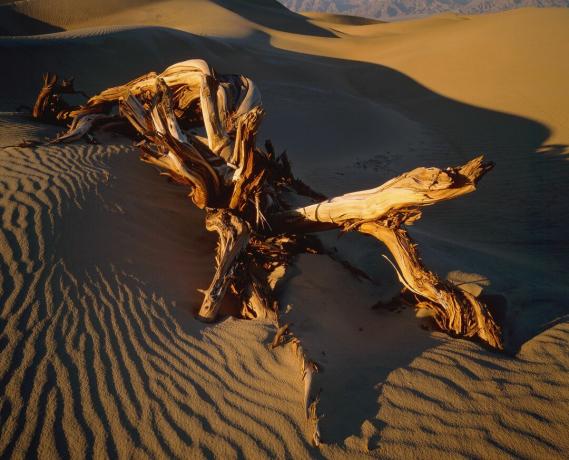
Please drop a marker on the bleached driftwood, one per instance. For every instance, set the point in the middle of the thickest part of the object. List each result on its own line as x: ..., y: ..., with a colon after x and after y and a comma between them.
x: 382, y: 212
x: 200, y: 129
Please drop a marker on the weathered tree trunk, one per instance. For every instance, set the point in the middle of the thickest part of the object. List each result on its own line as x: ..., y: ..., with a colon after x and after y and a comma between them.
x: 382, y: 212
x: 233, y: 238
x: 245, y: 192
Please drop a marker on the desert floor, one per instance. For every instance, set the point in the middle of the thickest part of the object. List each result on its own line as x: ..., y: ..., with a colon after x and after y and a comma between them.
x: 100, y: 354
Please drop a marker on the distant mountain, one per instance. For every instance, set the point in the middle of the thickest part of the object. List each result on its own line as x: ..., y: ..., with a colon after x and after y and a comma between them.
x: 396, y: 9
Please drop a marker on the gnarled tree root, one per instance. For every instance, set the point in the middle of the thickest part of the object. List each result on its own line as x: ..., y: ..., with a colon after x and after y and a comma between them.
x: 454, y: 310
x: 382, y: 212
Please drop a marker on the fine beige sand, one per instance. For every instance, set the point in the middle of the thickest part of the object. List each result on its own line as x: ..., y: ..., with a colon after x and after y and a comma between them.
x: 100, y: 355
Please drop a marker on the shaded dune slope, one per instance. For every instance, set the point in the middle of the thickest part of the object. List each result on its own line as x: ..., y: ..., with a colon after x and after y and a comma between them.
x: 30, y: 17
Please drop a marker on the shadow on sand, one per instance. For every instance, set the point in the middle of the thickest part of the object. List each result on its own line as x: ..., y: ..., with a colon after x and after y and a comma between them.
x: 14, y: 23
x: 275, y: 16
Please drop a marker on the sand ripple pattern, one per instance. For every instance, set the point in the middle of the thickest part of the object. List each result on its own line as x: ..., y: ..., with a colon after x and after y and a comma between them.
x: 100, y: 357
x: 457, y: 400
x: 94, y: 363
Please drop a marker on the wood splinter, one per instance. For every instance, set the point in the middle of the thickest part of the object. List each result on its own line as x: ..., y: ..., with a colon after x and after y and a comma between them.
x: 309, y: 369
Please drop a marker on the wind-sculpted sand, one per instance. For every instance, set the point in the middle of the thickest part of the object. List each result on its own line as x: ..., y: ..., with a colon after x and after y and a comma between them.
x: 100, y: 355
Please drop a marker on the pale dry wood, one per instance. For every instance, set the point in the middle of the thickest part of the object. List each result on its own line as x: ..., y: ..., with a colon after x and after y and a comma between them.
x: 217, y: 136
x: 233, y: 238
x: 416, y: 188
x: 382, y: 212
x: 222, y: 100
x: 168, y: 147
x: 249, y: 174
x: 80, y: 127
x: 454, y: 310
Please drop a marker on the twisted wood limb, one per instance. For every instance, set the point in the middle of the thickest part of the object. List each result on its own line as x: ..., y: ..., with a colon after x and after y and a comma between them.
x: 416, y: 188
x: 454, y: 310
x: 218, y: 138
x: 168, y: 147
x: 233, y: 238
x: 43, y: 100
x: 49, y: 105
x: 382, y: 213
x: 80, y: 127
x: 250, y: 171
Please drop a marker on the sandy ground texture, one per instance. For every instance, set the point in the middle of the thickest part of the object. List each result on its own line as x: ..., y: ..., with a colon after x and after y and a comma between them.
x: 100, y: 355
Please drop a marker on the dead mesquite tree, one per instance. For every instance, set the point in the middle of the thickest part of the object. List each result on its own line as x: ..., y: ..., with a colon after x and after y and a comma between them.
x: 199, y: 128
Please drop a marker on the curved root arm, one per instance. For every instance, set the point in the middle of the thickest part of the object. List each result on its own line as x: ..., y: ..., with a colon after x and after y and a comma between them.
x: 454, y: 310
x: 382, y: 212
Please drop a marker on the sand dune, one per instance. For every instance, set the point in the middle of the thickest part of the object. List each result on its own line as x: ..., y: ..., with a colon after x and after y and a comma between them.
x: 101, y: 257
x: 100, y: 352
x: 344, y: 19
